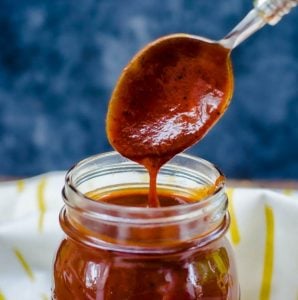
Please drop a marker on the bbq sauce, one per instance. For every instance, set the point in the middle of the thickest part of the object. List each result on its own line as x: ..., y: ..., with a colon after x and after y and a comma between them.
x: 86, y: 272
x: 138, y: 197
x: 167, y: 98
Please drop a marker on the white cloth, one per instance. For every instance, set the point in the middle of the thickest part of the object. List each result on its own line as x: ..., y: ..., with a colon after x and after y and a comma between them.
x: 264, y: 222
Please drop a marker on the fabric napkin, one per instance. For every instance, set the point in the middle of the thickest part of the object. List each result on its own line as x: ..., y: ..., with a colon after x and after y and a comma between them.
x: 263, y: 232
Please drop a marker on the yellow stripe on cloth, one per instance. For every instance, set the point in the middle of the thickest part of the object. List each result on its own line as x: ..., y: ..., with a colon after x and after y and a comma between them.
x: 268, y: 254
x: 234, y: 230
x: 20, y: 186
x: 44, y: 297
x: 41, y: 202
x: 2, y: 297
x: 288, y: 192
x: 24, y: 263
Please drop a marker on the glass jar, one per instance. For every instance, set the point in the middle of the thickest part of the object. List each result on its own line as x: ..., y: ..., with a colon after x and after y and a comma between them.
x: 116, y: 252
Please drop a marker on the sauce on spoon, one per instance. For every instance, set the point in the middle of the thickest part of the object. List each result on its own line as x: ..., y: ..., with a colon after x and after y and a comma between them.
x: 167, y: 98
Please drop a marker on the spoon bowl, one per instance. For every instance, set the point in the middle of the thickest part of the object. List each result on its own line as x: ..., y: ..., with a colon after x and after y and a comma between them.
x: 168, y: 97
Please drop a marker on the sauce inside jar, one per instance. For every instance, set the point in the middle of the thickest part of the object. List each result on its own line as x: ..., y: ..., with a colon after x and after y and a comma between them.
x: 139, y: 197
x: 86, y: 272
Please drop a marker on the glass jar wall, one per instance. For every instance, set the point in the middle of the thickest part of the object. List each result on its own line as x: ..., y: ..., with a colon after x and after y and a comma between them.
x: 130, y: 252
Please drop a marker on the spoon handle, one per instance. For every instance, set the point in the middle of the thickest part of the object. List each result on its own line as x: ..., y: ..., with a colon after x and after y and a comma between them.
x: 264, y: 12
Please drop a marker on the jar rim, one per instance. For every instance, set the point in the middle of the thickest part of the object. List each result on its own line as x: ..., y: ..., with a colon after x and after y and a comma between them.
x: 137, y: 228
x: 70, y: 186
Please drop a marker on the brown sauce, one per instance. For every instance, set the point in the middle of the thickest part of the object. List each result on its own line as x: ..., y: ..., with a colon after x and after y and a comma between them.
x: 84, y: 272
x: 167, y: 99
x: 139, y: 197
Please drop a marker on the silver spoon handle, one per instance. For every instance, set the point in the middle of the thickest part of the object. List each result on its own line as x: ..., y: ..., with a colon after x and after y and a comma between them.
x: 264, y: 12
x: 272, y: 11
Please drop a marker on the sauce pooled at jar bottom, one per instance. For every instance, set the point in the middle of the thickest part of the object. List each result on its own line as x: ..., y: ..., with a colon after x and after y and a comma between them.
x: 167, y: 98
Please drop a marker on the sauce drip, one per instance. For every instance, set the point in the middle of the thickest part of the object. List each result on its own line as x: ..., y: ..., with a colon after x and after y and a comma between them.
x: 167, y: 98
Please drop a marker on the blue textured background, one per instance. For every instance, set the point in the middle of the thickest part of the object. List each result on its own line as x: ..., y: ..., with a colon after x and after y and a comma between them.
x: 59, y: 61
